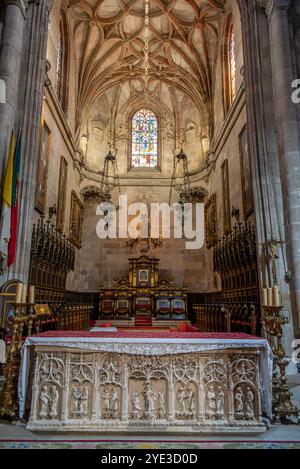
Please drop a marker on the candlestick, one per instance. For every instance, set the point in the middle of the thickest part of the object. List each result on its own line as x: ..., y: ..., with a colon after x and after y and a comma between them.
x: 19, y: 293
x: 276, y: 298
x: 270, y: 297
x: 24, y: 294
x: 264, y: 292
x: 31, y: 294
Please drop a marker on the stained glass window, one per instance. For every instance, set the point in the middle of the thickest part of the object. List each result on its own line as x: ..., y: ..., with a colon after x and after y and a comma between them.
x: 144, y: 139
x: 232, y: 65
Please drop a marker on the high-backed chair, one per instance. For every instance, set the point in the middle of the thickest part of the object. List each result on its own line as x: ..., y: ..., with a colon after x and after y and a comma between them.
x: 143, y: 305
x: 107, y: 308
x: 178, y: 308
x: 122, y: 308
x: 163, y: 308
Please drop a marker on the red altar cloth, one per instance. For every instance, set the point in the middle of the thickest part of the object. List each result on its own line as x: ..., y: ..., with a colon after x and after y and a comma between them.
x: 147, y: 335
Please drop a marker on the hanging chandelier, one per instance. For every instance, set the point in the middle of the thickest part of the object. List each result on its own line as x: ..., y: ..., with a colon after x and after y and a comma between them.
x: 109, y: 179
x: 180, y: 181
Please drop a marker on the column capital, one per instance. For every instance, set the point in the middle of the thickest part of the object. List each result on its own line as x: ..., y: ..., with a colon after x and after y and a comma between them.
x: 22, y: 4
x: 270, y: 6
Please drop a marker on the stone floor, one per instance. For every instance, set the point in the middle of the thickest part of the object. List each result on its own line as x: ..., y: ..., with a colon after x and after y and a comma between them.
x: 277, y: 437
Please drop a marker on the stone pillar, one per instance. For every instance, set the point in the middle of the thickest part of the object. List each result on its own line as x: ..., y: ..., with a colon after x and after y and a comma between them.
x: 31, y: 83
x: 10, y: 61
x: 287, y: 138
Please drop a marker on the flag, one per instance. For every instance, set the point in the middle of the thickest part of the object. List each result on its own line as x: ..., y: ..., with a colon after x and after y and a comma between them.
x: 7, y: 200
x: 14, y: 205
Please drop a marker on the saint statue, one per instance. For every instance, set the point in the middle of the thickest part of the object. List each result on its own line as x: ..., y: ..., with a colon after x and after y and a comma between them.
x: 76, y: 399
x: 54, y: 397
x: 181, y: 400
x: 44, y: 401
x: 149, y: 398
x: 238, y: 402
x: 114, y: 403
x: 84, y: 401
x: 161, y: 403
x: 191, y: 402
x: 106, y: 401
x: 249, y: 403
x: 211, y: 402
x: 136, y: 406
x: 220, y: 402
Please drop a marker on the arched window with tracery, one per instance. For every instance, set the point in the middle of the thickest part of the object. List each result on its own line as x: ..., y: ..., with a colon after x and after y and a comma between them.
x: 144, y: 139
x: 232, y: 64
x: 62, y: 84
x: 229, y: 66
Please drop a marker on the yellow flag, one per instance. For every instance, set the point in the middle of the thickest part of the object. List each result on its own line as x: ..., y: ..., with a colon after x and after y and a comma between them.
x: 7, y: 188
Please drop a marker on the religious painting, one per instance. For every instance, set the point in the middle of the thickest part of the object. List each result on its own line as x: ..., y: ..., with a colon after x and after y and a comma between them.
x: 211, y: 222
x: 246, y: 173
x: 62, y: 191
x: 143, y: 276
x: 226, y: 198
x: 144, y: 140
x: 42, y: 171
x: 76, y: 220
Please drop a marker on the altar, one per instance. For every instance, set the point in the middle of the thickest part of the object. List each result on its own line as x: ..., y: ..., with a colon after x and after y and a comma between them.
x: 145, y: 382
x: 143, y: 292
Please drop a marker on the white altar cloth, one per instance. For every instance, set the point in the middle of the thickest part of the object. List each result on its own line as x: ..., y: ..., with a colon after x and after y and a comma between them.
x: 152, y: 346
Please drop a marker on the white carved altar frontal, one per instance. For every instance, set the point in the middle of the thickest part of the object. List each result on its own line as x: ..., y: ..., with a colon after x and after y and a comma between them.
x: 147, y: 384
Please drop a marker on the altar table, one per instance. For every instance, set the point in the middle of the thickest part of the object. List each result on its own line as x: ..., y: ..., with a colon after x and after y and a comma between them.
x: 146, y: 382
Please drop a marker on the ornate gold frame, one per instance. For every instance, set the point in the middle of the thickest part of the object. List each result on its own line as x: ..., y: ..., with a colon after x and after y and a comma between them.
x: 62, y: 194
x: 226, y: 197
x: 76, y: 203
x: 40, y: 205
x: 211, y: 234
x: 246, y: 210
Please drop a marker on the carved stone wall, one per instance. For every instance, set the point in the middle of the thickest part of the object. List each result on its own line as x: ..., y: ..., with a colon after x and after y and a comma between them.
x: 107, y: 391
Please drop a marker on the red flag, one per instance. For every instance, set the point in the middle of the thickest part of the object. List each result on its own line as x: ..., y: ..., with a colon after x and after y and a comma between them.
x: 14, y: 206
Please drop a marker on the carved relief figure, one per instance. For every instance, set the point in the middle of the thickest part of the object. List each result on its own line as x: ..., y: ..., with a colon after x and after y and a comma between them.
x: 44, y: 402
x: 191, y: 132
x: 161, y: 403
x: 181, y: 400
x: 211, y: 402
x: 76, y: 400
x: 149, y: 400
x: 238, y: 403
x: 249, y: 403
x: 114, y: 403
x: 54, y: 397
x: 220, y: 402
x: 106, y: 401
x: 136, y: 405
x: 83, y: 408
x: 191, y: 402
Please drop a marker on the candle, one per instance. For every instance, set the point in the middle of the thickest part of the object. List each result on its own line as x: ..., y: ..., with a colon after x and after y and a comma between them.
x: 276, y: 298
x: 31, y: 294
x: 264, y: 297
x: 270, y: 297
x: 24, y: 294
x: 19, y: 293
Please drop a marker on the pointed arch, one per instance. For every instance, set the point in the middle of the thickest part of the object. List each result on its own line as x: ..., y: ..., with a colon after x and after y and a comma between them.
x: 229, y: 65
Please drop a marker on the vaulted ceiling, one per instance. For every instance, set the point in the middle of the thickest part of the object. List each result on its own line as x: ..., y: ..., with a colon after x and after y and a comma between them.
x: 109, y: 38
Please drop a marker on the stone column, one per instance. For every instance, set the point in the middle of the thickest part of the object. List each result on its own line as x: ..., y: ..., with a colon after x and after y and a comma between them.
x: 287, y: 138
x: 31, y: 84
x: 10, y: 61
